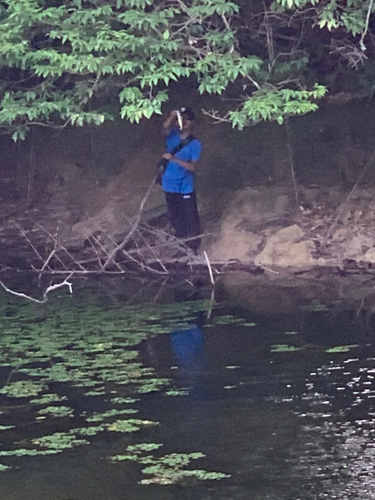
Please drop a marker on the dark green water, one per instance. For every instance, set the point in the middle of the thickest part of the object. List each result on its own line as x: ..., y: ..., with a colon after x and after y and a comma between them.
x: 105, y: 399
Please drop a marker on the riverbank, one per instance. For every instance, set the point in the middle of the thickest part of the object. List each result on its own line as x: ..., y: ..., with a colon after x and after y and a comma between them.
x: 270, y: 229
x: 273, y: 227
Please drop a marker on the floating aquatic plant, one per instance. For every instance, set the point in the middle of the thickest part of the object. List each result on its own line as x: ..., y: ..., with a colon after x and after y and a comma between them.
x: 22, y: 389
x: 59, y: 442
x: 341, y: 348
x: 120, y: 401
x: 130, y: 425
x: 168, y: 469
x: 93, y: 350
x: 90, y: 431
x: 48, y: 398
x: 99, y: 417
x: 151, y: 385
x: 137, y: 448
x: 56, y: 411
x: 284, y: 348
x: 177, y: 392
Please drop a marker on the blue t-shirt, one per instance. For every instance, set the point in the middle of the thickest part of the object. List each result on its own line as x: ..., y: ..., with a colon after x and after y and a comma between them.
x: 177, y: 179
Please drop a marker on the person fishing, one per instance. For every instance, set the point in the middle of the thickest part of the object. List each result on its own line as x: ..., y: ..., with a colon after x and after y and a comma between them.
x: 178, y: 182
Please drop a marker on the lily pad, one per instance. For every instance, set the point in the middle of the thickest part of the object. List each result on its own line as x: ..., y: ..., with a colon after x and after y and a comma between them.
x: 168, y: 469
x: 284, y: 348
x: 341, y: 348
x: 22, y: 389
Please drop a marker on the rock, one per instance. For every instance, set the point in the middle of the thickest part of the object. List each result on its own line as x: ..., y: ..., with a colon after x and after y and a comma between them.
x: 340, y: 234
x: 235, y: 243
x: 284, y: 249
x: 353, y: 248
x: 369, y: 256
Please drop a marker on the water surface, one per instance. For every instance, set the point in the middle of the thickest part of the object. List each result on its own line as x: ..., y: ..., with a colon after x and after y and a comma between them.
x: 103, y: 398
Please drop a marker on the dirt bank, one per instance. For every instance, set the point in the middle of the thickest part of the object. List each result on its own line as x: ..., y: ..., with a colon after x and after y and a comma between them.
x: 271, y: 228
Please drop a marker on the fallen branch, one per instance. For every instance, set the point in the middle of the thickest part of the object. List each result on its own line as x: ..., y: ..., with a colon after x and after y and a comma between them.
x: 24, y: 234
x: 268, y: 269
x: 148, y: 247
x: 59, y: 245
x: 209, y: 268
x: 45, y: 295
x: 133, y: 229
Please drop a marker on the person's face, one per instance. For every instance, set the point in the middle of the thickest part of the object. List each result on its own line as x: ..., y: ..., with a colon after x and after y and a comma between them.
x: 186, y: 124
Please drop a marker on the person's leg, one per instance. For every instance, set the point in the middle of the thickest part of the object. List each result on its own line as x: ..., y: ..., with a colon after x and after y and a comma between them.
x: 191, y: 216
x: 176, y: 213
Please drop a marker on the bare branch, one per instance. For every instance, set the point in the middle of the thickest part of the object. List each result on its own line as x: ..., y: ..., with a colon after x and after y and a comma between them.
x: 209, y: 268
x: 47, y: 291
x: 361, y: 41
x: 133, y: 229
x: 215, y: 115
x: 349, y: 52
x: 24, y: 234
x: 255, y: 83
x: 60, y: 245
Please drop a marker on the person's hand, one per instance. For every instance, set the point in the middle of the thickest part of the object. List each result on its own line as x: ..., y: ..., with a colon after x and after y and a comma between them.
x: 167, y: 156
x: 169, y: 122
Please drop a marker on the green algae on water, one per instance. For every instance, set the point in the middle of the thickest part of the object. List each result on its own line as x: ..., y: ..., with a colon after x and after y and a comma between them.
x: 93, y: 351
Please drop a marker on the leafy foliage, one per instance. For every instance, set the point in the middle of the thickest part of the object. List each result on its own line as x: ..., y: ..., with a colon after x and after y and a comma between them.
x: 332, y: 14
x: 64, y: 61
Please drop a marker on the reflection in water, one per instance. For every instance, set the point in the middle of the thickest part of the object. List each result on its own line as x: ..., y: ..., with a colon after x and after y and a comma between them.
x: 185, y: 400
x: 187, y: 347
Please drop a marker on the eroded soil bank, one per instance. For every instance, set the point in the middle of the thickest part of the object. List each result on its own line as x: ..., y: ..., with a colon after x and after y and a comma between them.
x: 262, y: 228
x: 328, y: 227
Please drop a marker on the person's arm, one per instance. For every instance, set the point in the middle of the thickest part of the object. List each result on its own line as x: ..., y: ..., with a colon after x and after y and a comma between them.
x: 195, y: 148
x: 169, y: 122
x: 189, y: 165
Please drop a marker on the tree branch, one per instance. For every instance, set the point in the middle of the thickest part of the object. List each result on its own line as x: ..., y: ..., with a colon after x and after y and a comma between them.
x: 361, y: 42
x: 45, y: 295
